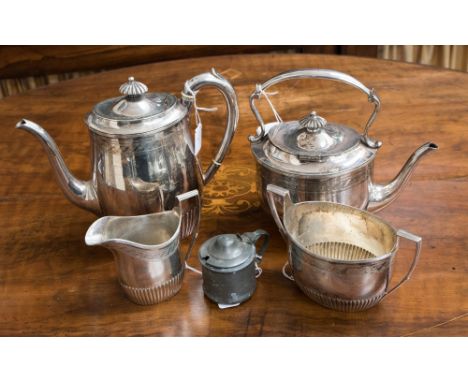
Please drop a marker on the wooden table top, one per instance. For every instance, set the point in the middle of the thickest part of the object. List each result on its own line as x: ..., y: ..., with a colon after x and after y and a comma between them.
x: 51, y: 283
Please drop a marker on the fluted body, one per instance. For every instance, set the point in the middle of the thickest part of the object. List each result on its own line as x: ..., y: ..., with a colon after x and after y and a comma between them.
x: 146, y: 248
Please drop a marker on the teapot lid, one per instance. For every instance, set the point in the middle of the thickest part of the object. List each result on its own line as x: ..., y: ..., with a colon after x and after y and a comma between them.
x: 136, y: 111
x: 313, y: 139
x: 226, y: 252
x: 311, y: 147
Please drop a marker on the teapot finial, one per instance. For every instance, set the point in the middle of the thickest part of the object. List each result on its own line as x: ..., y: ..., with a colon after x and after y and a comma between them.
x: 313, y: 122
x: 133, y: 88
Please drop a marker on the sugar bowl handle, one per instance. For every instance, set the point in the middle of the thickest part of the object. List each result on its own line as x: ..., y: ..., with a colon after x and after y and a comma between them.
x: 326, y: 74
x: 418, y: 242
x: 274, y: 194
x: 219, y: 82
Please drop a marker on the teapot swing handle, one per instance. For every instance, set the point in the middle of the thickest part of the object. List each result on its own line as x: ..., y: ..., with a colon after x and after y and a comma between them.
x: 215, y: 79
x: 326, y: 74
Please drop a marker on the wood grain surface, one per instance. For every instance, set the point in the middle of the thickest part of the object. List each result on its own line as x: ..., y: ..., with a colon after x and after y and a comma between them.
x: 52, y: 284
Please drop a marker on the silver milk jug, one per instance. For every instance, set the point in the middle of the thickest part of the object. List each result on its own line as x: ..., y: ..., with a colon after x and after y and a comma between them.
x: 230, y: 266
x: 142, y: 151
x: 146, y: 250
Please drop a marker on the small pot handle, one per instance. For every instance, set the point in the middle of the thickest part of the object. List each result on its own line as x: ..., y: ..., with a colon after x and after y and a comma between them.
x: 189, y: 217
x: 253, y: 237
x: 286, y: 202
x: 326, y: 74
x: 188, y: 96
x: 418, y: 242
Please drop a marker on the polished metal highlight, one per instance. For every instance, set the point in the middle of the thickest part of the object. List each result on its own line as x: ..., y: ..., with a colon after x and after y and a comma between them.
x: 146, y: 249
x: 340, y: 256
x: 142, y: 150
x: 230, y: 266
x: 323, y: 161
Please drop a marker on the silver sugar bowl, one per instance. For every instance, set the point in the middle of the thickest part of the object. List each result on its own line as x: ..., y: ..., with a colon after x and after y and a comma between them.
x: 230, y: 266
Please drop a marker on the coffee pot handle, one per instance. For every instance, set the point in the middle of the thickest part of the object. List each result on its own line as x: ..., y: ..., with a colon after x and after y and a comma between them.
x: 190, y: 209
x: 326, y: 74
x: 218, y: 81
x: 418, y: 242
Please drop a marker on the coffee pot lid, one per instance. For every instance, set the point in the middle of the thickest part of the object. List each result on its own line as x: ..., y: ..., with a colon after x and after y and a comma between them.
x: 136, y: 111
x: 312, y: 139
x: 226, y: 251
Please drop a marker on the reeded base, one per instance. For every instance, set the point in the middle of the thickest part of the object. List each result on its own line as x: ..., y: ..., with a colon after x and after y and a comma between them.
x: 340, y: 304
x: 156, y: 294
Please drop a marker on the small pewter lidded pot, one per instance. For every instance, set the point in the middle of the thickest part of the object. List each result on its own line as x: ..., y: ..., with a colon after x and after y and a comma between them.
x: 230, y: 266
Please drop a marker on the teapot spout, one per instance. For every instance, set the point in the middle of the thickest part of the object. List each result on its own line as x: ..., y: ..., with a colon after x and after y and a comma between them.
x: 81, y: 193
x: 380, y: 195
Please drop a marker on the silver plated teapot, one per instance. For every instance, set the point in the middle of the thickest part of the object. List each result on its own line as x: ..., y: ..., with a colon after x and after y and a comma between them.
x: 318, y: 160
x: 143, y: 154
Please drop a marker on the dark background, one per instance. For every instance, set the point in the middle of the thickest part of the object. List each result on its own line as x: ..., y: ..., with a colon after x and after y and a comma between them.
x: 28, y: 67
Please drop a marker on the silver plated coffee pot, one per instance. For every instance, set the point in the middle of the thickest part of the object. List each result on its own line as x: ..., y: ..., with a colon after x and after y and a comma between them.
x: 143, y: 154
x: 318, y: 160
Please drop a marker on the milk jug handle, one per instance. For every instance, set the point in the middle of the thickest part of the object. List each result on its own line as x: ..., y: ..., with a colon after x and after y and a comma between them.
x: 190, y: 208
x: 418, y: 242
x: 216, y: 80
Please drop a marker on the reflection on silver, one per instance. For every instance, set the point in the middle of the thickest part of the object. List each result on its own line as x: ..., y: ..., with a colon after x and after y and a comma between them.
x: 323, y: 161
x: 146, y: 249
x: 340, y: 256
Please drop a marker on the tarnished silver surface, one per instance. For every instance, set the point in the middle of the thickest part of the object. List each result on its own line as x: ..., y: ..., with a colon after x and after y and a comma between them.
x: 230, y: 266
x: 318, y: 160
x: 340, y: 256
x: 146, y: 249
x: 142, y: 150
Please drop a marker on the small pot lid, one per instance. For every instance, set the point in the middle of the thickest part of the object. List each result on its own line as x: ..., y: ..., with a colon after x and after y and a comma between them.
x: 226, y: 251
x: 136, y: 111
x: 313, y: 139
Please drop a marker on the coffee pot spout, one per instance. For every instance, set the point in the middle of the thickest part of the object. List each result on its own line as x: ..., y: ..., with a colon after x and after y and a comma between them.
x: 381, y: 195
x: 81, y: 193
